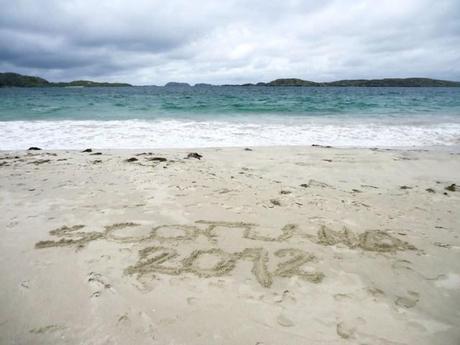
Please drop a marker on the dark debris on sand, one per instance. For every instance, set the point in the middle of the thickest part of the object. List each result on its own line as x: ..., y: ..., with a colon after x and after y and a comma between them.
x: 275, y: 202
x: 132, y: 159
x: 157, y: 159
x: 194, y: 155
x: 33, y: 148
x: 405, y: 187
x: 451, y: 188
x: 323, y: 146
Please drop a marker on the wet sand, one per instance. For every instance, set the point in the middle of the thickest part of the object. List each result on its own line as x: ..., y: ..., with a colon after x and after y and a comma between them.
x: 275, y: 245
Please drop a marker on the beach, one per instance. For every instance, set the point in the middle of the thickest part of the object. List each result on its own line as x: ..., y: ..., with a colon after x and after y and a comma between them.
x: 257, y: 245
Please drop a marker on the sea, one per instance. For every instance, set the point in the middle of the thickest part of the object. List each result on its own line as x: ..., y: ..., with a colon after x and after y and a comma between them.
x: 228, y: 116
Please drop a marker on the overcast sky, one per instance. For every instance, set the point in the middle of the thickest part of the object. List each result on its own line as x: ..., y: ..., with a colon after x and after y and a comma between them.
x: 230, y: 41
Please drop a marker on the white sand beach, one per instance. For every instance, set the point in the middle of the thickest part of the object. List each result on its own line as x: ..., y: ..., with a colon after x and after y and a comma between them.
x: 269, y: 245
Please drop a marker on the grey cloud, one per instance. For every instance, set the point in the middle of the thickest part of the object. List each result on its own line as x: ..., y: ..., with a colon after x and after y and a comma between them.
x: 148, y: 42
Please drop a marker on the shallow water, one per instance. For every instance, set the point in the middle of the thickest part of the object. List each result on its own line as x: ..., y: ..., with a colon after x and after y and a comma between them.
x: 142, y: 117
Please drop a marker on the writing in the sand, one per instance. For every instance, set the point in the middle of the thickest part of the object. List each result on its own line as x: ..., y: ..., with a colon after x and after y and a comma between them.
x: 162, y: 257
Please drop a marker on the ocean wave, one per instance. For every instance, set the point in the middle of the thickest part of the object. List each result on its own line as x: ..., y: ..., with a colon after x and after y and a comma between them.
x: 16, y: 135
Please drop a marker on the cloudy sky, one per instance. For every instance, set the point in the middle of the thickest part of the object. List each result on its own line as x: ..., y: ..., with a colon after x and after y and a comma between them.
x: 231, y: 41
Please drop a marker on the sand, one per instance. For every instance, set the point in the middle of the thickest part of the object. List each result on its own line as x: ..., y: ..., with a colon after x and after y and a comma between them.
x: 279, y: 245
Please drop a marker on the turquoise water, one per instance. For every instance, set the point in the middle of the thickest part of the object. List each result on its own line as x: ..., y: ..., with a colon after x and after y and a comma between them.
x: 160, y: 102
x: 228, y: 116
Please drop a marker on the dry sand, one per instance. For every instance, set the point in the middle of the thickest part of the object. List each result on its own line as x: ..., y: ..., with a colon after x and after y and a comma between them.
x: 300, y: 245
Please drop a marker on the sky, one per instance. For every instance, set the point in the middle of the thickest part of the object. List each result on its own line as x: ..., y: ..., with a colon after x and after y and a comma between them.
x: 150, y: 42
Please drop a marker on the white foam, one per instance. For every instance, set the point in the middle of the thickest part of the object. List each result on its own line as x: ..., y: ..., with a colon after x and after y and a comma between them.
x: 186, y: 133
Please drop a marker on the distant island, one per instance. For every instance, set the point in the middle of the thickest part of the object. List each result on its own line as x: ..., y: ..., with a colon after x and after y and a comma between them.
x: 386, y: 82
x: 18, y: 80
x: 176, y: 84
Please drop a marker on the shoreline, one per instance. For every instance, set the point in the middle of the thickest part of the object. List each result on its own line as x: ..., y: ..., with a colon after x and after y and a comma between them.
x: 278, y: 245
x: 179, y: 133
x: 455, y: 148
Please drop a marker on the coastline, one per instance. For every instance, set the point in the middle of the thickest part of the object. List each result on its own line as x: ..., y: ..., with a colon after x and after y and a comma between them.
x: 283, y: 245
x: 450, y: 149
x: 181, y: 133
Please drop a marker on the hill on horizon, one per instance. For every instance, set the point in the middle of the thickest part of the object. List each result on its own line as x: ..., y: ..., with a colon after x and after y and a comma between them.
x: 10, y: 79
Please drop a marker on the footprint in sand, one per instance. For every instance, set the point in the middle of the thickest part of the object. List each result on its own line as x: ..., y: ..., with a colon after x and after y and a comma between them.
x: 375, y: 292
x: 347, y: 329
x: 344, y: 330
x: 284, y: 321
x: 407, y: 301
x: 342, y: 297
x: 25, y: 284
x: 191, y: 300
x: 47, y: 329
x: 123, y: 319
x: 449, y: 281
x: 286, y: 297
x: 98, y: 282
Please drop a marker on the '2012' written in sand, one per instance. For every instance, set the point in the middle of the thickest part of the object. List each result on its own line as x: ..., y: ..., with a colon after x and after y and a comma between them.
x: 164, y: 260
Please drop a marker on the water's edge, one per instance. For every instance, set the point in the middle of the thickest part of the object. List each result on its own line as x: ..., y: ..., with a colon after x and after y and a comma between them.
x: 141, y: 117
x: 132, y: 134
